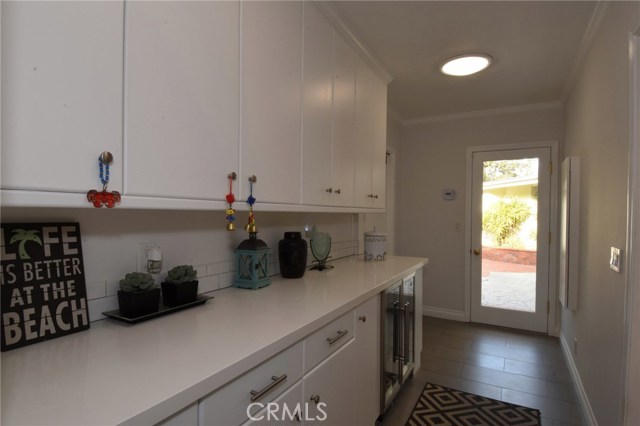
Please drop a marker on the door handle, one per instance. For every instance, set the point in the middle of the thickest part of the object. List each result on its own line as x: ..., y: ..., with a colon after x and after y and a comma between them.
x: 476, y: 252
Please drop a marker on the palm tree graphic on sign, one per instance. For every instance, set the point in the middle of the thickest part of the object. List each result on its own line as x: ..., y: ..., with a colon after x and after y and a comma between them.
x: 24, y: 236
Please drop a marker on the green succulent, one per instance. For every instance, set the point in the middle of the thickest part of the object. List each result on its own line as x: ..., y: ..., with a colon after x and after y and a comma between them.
x: 181, y: 274
x: 136, y: 282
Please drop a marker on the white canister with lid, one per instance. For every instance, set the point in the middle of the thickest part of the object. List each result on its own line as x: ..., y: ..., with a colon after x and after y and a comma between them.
x: 375, y: 246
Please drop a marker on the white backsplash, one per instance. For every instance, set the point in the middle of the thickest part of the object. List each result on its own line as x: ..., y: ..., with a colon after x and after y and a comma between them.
x: 111, y: 239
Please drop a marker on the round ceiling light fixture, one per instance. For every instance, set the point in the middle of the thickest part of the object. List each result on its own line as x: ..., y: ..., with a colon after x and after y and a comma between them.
x: 466, y: 64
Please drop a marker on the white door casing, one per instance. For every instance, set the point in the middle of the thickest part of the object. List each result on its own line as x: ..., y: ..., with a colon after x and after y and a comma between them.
x: 538, y: 319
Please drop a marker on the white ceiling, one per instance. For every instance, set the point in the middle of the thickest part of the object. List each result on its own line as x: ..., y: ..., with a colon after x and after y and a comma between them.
x: 533, y: 44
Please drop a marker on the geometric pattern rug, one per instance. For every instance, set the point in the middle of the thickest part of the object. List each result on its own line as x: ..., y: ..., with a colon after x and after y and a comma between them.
x: 442, y: 406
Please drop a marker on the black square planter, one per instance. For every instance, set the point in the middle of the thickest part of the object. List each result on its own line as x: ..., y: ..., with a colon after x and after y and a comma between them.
x: 179, y: 294
x: 134, y: 305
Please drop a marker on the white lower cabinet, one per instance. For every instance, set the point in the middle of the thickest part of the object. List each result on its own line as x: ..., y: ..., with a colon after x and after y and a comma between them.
x: 230, y: 405
x: 330, y: 389
x: 331, y: 377
x: 367, y: 364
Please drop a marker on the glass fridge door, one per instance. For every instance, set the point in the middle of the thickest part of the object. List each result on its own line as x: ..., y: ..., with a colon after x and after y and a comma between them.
x: 407, y: 309
x: 392, y: 341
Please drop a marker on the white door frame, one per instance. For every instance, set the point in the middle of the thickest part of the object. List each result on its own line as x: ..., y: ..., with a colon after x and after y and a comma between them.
x: 631, y: 350
x: 552, y: 326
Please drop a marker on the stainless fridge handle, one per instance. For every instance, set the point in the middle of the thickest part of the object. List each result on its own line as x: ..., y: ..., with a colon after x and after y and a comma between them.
x: 396, y: 332
x: 405, y: 352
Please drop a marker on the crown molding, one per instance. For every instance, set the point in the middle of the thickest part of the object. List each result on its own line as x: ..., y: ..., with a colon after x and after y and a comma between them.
x: 333, y: 15
x: 483, y: 113
x: 585, y: 44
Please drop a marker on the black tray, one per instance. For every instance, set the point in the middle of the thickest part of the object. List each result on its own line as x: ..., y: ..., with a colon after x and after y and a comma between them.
x: 164, y: 310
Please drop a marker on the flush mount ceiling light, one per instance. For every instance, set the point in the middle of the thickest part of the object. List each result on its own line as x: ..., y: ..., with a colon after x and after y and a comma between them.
x: 466, y: 64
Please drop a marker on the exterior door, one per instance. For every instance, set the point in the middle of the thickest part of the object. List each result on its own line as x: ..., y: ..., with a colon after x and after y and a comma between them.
x: 510, y: 238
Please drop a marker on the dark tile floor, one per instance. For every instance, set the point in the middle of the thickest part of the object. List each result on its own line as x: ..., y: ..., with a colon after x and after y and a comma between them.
x: 517, y: 367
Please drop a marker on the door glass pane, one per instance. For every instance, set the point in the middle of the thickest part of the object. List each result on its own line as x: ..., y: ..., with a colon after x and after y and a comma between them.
x: 391, y: 361
x: 509, y: 234
x: 408, y: 332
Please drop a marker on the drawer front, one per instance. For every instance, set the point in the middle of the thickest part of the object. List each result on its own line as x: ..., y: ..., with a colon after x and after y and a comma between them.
x: 328, y: 339
x: 287, y: 410
x: 228, y: 405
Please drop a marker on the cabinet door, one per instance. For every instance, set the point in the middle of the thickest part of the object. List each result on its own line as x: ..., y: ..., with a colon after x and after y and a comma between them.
x: 317, y: 114
x: 61, y: 94
x: 379, y: 143
x: 368, y: 361
x: 182, y: 76
x: 371, y: 110
x: 333, y: 385
x: 271, y: 100
x: 364, y: 133
x: 344, y: 121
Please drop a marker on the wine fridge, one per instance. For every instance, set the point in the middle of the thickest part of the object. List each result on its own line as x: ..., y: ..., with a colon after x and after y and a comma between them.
x: 398, y: 316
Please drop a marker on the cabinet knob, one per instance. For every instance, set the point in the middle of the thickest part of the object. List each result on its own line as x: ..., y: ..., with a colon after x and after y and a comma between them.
x: 337, y: 191
x: 315, y: 399
x: 362, y: 318
x: 329, y: 190
x: 375, y: 196
x: 372, y: 195
x: 106, y: 158
x: 232, y: 176
x: 253, y: 179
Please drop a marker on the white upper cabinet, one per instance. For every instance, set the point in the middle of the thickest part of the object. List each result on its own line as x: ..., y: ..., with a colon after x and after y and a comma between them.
x: 328, y: 114
x: 61, y: 94
x: 370, y: 168
x: 271, y: 100
x: 344, y: 121
x: 182, y: 97
x: 182, y: 93
x: 317, y: 109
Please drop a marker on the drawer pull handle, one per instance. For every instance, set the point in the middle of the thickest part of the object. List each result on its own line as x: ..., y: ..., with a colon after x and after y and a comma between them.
x: 340, y: 334
x: 255, y: 395
x: 315, y: 399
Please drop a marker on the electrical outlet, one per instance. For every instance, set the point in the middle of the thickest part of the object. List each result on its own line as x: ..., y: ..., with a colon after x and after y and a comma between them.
x: 143, y: 255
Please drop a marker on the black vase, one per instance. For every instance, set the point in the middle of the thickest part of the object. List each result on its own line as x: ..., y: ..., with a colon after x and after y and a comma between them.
x: 292, y: 253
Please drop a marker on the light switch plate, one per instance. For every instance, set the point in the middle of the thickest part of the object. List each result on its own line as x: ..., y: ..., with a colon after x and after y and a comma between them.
x: 614, y: 261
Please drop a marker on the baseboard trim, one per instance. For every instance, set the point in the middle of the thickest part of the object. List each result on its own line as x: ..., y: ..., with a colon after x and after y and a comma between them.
x: 587, y: 411
x: 450, y: 314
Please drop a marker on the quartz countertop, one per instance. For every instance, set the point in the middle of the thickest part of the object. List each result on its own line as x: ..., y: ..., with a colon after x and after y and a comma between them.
x: 116, y: 373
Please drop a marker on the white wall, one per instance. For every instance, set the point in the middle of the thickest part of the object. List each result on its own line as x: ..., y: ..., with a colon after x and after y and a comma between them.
x: 110, y: 239
x: 597, y: 131
x: 432, y: 157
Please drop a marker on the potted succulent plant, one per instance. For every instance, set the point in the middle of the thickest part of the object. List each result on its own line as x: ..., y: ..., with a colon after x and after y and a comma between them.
x: 138, y: 295
x: 180, y: 286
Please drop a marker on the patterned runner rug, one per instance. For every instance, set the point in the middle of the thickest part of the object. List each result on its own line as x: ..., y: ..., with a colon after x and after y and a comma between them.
x: 441, y: 406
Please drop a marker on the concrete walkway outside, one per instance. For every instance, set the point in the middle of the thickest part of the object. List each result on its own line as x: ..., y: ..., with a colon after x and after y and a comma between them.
x: 508, y: 286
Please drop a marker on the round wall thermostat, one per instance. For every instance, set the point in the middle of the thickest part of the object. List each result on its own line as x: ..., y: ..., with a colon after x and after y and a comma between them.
x: 449, y: 194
